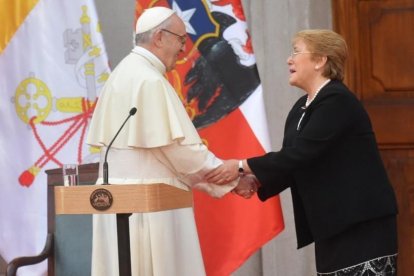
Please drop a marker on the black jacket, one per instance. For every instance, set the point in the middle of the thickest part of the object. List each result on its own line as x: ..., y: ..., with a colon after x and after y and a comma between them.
x: 332, y: 165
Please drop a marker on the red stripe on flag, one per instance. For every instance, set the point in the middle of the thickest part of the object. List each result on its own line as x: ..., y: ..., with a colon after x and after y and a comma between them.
x: 231, y: 229
x: 232, y: 137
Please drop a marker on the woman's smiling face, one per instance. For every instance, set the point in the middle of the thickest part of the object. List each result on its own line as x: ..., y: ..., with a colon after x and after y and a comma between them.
x: 301, y: 65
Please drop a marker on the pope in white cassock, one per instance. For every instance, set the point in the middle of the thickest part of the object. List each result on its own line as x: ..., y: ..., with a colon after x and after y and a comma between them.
x: 158, y: 145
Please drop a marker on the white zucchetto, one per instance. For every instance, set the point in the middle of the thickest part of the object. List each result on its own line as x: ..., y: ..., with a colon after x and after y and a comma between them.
x: 151, y: 18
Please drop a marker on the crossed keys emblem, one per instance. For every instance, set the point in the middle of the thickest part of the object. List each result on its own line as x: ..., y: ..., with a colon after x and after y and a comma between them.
x: 33, y: 99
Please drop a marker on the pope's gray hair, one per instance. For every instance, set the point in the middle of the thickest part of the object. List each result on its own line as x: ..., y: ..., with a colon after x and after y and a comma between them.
x: 144, y: 38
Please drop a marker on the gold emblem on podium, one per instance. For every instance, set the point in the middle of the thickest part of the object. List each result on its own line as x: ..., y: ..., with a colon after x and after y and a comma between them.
x: 101, y: 199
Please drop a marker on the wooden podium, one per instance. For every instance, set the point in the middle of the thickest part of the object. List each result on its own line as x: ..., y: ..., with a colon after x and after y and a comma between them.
x: 122, y: 200
x: 87, y: 198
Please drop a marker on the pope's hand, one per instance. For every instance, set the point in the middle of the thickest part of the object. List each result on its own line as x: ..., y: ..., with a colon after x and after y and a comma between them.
x: 225, y: 173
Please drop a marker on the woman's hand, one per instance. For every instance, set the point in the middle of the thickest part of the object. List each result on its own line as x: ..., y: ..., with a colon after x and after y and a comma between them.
x: 247, y: 186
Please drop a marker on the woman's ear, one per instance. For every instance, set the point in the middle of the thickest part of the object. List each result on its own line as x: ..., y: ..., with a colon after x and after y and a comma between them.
x: 321, y: 62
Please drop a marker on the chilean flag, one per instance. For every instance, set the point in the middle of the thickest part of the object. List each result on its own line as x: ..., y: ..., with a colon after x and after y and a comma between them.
x: 219, y: 85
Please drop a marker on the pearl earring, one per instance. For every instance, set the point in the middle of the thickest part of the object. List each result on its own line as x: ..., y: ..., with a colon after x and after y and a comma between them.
x: 316, y: 67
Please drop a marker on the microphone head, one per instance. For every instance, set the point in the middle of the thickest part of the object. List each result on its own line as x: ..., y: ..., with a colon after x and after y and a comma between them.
x: 133, y: 111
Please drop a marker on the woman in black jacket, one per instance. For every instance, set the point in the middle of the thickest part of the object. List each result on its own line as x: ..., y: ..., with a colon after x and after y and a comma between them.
x: 341, y: 194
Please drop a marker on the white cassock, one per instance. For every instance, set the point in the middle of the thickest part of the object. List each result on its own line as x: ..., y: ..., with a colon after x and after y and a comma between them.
x: 157, y: 145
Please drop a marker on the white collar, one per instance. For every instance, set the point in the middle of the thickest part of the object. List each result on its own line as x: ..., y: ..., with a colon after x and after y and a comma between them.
x: 153, y: 59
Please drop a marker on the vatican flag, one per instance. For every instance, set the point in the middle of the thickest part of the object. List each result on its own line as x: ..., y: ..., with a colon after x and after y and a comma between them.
x: 52, y: 65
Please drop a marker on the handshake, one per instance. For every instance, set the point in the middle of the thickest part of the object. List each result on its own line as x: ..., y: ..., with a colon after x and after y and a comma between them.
x: 230, y: 171
x: 247, y: 186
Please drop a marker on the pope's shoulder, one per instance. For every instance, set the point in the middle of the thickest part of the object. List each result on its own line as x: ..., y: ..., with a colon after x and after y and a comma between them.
x: 134, y: 65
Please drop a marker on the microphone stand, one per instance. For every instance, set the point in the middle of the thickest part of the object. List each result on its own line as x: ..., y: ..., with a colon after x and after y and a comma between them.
x: 122, y: 220
x: 105, y: 164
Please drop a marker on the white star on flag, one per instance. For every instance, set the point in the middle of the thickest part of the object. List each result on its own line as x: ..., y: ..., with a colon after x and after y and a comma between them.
x: 185, y: 16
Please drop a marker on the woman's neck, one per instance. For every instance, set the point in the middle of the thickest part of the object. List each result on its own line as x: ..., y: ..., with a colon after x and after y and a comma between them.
x: 312, y: 93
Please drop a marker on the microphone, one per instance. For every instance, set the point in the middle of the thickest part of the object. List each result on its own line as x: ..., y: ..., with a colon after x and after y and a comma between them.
x: 105, y: 164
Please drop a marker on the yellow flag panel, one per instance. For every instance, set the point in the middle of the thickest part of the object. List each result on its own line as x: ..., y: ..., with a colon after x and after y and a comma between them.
x: 12, y: 14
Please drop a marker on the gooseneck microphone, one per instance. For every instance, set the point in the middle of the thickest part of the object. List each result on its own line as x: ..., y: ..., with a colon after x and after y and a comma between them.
x: 105, y: 164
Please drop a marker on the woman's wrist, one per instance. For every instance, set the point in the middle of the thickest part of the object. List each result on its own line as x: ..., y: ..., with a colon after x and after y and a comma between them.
x: 241, y: 168
x: 244, y: 167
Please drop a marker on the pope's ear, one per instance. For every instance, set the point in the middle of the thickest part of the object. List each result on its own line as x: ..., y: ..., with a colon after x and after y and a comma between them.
x: 157, y: 38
